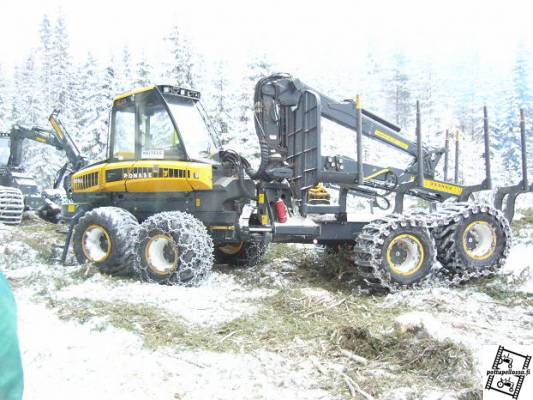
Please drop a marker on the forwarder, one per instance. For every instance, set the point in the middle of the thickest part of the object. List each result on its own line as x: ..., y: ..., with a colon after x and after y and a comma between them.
x: 168, y: 197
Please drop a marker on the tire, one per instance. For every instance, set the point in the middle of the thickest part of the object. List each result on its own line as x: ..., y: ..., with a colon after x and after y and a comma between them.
x: 476, y: 241
x: 173, y: 248
x: 104, y: 236
x: 11, y: 205
x: 394, y: 252
x: 244, y: 253
x: 407, y: 255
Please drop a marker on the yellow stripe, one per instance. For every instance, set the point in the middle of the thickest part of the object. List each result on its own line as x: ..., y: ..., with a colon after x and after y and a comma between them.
x: 380, y: 172
x: 201, y: 177
x: 443, y: 187
x: 56, y: 128
x: 357, y: 102
x: 261, y: 198
x: 391, y: 139
x: 222, y: 228
x: 128, y: 94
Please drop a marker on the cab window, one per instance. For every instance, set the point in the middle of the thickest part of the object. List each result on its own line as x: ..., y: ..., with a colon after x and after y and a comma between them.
x: 158, y: 136
x: 124, y: 140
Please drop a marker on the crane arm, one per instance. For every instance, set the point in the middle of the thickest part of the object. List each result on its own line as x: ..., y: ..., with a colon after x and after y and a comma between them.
x: 58, y: 138
x: 287, y: 117
x: 19, y: 133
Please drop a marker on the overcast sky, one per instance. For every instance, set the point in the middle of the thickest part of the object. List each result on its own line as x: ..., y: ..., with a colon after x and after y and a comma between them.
x: 293, y: 33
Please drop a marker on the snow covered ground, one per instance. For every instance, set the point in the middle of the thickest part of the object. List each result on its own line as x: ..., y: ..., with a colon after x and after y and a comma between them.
x: 279, y: 331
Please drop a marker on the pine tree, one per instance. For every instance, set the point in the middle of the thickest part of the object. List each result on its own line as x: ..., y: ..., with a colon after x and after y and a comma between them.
x: 107, y: 90
x: 258, y: 68
x: 220, y: 100
x: 181, y: 64
x: 399, y: 94
x: 45, y: 55
x: 518, y: 96
x: 4, y: 109
x: 39, y: 160
x: 144, y: 73
x: 124, y: 77
x: 61, y: 67
x: 245, y: 137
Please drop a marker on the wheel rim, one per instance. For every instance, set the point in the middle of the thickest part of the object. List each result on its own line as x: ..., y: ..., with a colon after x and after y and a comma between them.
x: 479, y: 240
x: 231, y: 248
x: 96, y: 244
x: 161, y: 254
x: 405, y: 254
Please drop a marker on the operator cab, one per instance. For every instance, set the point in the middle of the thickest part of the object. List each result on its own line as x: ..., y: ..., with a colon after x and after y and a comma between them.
x: 159, y: 122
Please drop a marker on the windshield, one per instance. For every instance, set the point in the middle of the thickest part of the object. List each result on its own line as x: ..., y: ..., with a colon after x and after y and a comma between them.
x: 191, y: 126
x: 4, y: 151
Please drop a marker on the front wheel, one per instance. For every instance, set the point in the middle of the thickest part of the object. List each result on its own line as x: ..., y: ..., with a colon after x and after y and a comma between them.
x: 173, y: 248
x: 103, y: 236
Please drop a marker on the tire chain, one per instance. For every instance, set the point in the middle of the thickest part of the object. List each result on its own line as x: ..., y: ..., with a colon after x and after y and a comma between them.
x: 443, y: 230
x: 365, y: 256
x: 196, y: 256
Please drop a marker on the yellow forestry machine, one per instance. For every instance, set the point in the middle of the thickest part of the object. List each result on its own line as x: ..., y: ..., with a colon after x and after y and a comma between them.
x: 168, y: 200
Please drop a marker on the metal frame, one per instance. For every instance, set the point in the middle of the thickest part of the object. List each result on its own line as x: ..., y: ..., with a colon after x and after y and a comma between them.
x: 508, y: 194
x: 288, y: 116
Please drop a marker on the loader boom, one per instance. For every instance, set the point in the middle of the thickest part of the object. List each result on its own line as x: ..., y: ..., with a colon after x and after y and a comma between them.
x: 57, y: 138
x: 288, y: 115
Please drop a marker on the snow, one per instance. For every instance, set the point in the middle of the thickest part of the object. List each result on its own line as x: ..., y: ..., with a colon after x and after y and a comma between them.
x: 69, y: 361
x: 65, y: 359
x: 519, y: 267
x: 217, y: 300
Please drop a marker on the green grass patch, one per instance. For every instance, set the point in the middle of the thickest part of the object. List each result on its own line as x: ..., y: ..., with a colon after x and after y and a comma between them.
x: 507, y: 296
x: 525, y: 222
x: 42, y: 236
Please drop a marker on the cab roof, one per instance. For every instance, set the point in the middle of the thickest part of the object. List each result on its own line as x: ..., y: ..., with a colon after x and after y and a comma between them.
x: 163, y: 89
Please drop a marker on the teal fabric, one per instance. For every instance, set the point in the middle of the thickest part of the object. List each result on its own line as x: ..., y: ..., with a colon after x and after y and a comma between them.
x: 11, y: 380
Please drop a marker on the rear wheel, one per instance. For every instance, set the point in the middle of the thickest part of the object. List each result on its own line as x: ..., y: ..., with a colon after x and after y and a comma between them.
x: 240, y: 254
x: 477, y: 241
x: 103, y: 236
x: 173, y: 248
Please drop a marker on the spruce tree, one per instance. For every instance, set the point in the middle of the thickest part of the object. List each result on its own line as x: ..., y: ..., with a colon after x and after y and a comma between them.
x: 45, y: 56
x: 4, y: 102
x: 245, y: 137
x: 518, y: 96
x: 181, y: 64
x: 61, y: 67
x: 124, y: 77
x: 220, y: 103
x: 399, y: 94
x: 144, y: 73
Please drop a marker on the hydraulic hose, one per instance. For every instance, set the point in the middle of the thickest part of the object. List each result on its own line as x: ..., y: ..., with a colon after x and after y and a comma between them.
x: 264, y: 147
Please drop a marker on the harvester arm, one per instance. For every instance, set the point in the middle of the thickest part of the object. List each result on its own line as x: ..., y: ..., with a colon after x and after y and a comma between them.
x: 76, y: 160
x: 18, y: 133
